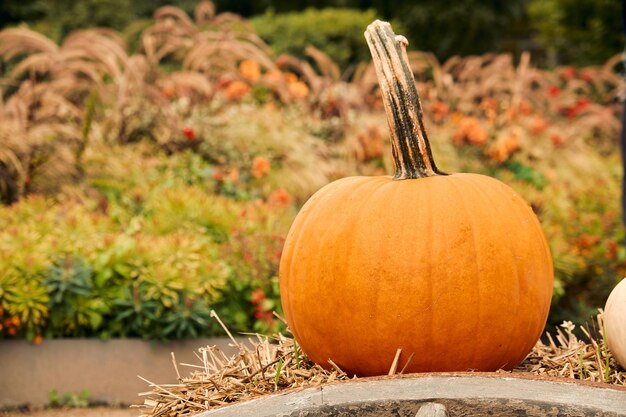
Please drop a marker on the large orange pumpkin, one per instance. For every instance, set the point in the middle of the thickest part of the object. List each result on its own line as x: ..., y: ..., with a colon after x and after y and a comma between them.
x: 454, y: 270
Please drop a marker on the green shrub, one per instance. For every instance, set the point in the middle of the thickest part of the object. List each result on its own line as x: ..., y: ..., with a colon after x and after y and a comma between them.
x: 69, y: 399
x: 152, y: 269
x: 337, y: 32
x: 469, y: 27
x: 580, y: 32
x: 64, y: 16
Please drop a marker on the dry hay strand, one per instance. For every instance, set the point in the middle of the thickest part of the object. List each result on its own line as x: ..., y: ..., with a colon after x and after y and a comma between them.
x: 571, y: 357
x: 267, y: 365
x: 263, y: 365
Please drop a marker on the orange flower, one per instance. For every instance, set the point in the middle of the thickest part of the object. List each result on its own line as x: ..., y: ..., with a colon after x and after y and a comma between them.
x: 290, y: 77
x: 568, y: 73
x: 490, y: 107
x: 510, y: 114
x: 497, y: 153
x: 218, y: 175
x: 456, y: 117
x: 169, y: 91
x: 271, y: 106
x: 273, y: 77
x: 586, y: 75
x: 538, y: 125
x: 510, y: 143
x: 257, y: 296
x: 233, y: 175
x: 38, y: 339
x: 612, y: 248
x: 439, y: 110
x: 504, y: 148
x: 525, y: 107
x: 260, y: 167
x: 298, y: 90
x: 250, y: 70
x: 236, y: 90
x: 280, y: 197
x: 471, y: 132
x: 489, y: 103
x: 557, y: 139
x: 223, y: 82
x: 586, y: 241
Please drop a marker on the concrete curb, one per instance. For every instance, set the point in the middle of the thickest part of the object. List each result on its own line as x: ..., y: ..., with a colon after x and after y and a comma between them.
x: 109, y: 369
x: 588, y: 399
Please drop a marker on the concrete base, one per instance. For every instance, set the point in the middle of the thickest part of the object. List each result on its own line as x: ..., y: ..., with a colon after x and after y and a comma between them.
x: 460, y: 394
x: 108, y: 369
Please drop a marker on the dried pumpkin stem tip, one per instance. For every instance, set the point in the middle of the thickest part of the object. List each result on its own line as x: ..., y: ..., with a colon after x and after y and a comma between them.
x: 409, y: 143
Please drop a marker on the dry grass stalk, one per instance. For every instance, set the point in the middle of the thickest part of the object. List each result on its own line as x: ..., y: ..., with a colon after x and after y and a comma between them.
x: 574, y: 358
x: 263, y: 365
x: 266, y: 365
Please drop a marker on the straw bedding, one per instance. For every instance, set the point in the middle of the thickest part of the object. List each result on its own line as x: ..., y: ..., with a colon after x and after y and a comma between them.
x: 265, y: 365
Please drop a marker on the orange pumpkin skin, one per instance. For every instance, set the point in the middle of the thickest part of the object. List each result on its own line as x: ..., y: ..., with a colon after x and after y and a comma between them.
x: 454, y: 269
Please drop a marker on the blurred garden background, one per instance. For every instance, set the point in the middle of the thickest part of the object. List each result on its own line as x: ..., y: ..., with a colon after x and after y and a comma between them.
x: 154, y: 153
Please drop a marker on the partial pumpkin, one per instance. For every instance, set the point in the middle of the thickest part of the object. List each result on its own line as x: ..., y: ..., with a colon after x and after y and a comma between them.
x: 454, y: 270
x: 615, y: 322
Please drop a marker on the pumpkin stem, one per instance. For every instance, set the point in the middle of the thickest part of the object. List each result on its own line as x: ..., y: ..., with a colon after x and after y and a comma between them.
x: 409, y: 143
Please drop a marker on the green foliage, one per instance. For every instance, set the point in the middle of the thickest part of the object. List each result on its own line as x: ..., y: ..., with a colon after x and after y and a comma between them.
x: 64, y: 16
x: 150, y: 266
x: 525, y: 173
x: 69, y: 399
x: 461, y: 27
x: 73, y: 304
x: 580, y: 32
x: 337, y: 32
x: 14, y: 11
x: 585, y: 234
x: 145, y: 8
